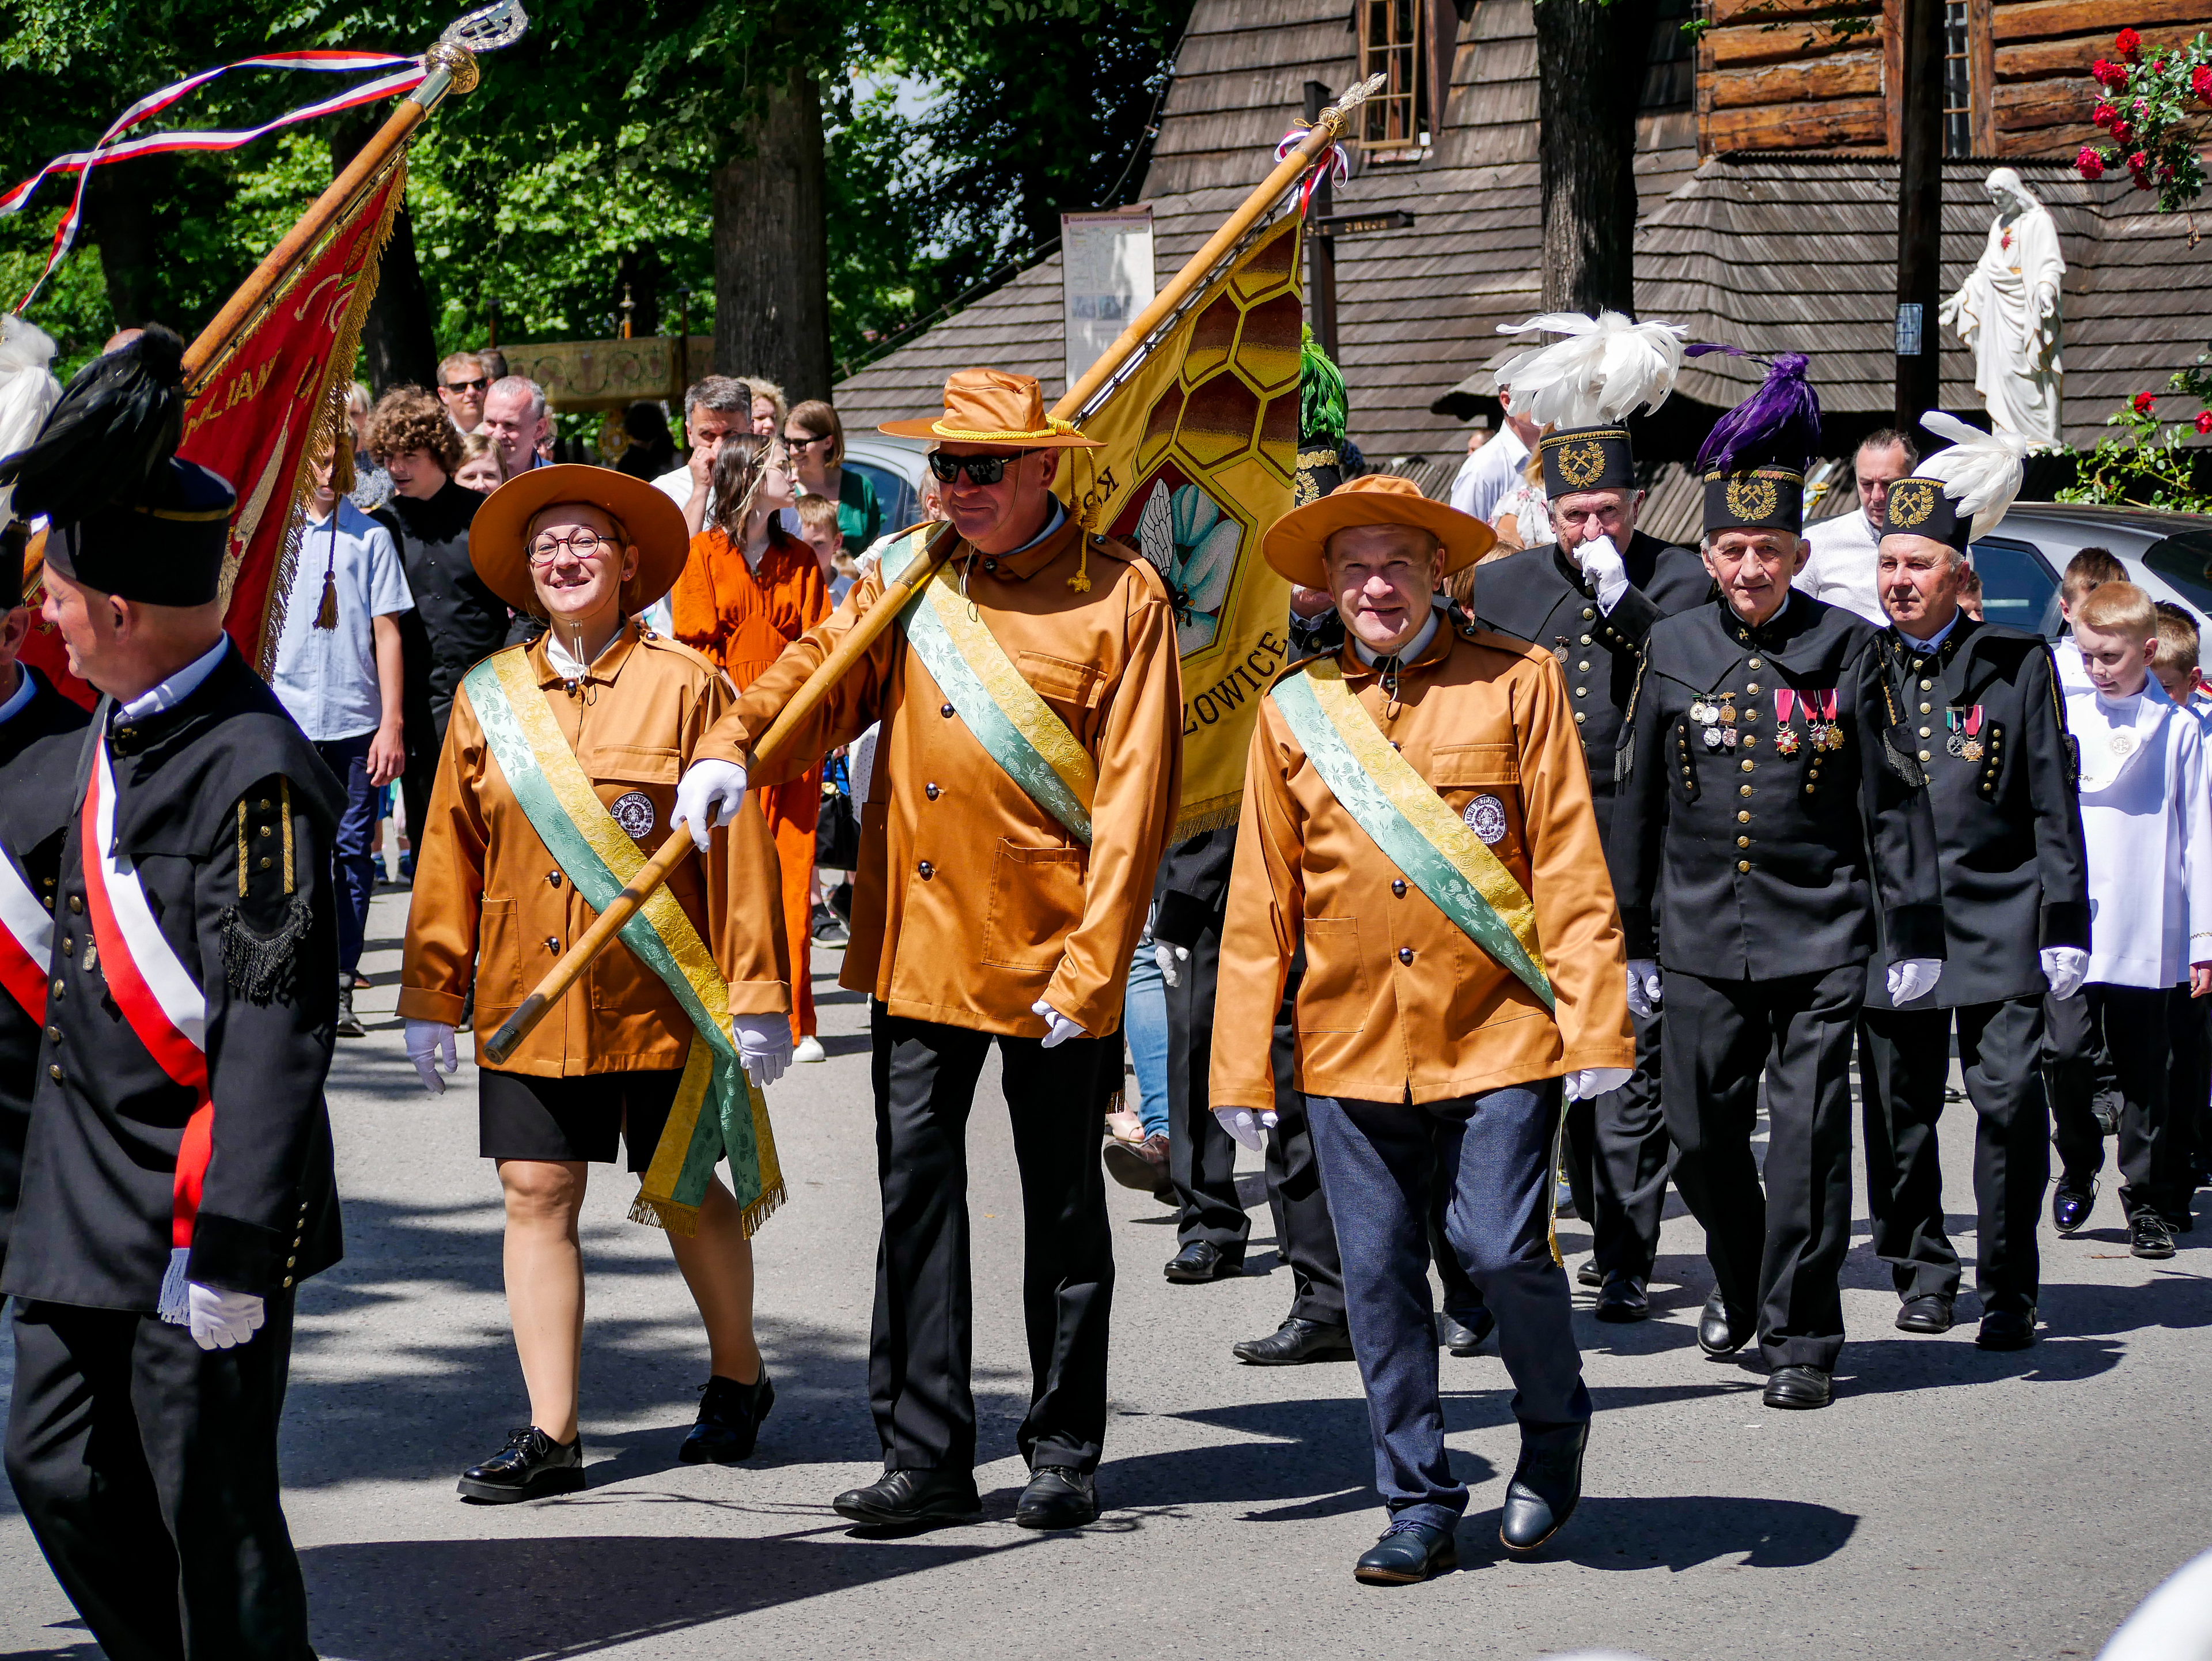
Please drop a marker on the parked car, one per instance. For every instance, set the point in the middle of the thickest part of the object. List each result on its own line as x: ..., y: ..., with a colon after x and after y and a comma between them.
x: 2167, y: 555
x: 893, y: 468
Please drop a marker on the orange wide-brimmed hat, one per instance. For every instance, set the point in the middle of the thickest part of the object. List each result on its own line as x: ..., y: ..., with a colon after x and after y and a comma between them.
x: 1296, y: 543
x: 988, y: 406
x: 650, y: 522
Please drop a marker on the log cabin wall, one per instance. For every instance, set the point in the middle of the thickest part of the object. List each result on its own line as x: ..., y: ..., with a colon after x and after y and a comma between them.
x: 1812, y: 75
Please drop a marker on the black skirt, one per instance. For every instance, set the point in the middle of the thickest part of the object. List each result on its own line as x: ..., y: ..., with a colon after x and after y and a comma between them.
x: 520, y: 1116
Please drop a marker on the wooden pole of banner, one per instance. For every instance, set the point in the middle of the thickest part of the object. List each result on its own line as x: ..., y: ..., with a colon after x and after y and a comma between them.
x: 1323, y: 133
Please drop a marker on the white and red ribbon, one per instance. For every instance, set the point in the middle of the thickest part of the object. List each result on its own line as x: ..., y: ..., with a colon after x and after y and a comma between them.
x: 1334, y: 159
x: 162, y: 1004
x: 409, y: 73
x: 27, y: 940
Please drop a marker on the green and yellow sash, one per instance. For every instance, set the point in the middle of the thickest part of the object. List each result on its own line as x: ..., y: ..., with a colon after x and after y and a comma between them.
x: 1015, y: 726
x: 1409, y: 822
x: 599, y: 857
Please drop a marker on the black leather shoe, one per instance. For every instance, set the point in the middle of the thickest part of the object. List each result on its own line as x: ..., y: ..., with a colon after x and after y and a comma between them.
x: 530, y: 1467
x: 730, y: 1416
x: 1407, y: 1553
x: 2007, y: 1329
x: 1296, y: 1341
x: 1465, y: 1336
x: 912, y: 1500
x: 1623, y: 1297
x: 2069, y: 1207
x: 1547, y: 1484
x: 1589, y: 1275
x: 1202, y: 1261
x: 1719, y: 1333
x: 1058, y: 1497
x: 1930, y: 1313
x: 348, y: 1023
x: 2148, y: 1234
x: 1798, y: 1387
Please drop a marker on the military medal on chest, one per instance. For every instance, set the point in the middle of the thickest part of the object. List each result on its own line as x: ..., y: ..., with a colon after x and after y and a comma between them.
x: 1820, y: 719
x: 1964, y: 739
x: 1716, y: 713
x: 1786, y: 738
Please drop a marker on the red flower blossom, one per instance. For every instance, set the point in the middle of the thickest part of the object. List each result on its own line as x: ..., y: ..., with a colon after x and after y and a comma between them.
x: 2129, y: 45
x: 2200, y: 83
x: 2144, y: 402
x: 2089, y: 164
x: 2105, y: 115
x: 2139, y: 163
x: 2122, y: 131
x: 2109, y: 75
x: 2204, y: 421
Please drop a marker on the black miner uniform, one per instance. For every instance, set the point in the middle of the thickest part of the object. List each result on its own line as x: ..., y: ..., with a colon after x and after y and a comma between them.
x: 1617, y: 1143
x: 146, y: 1466
x: 1985, y: 709
x: 1754, y: 854
x: 38, y: 746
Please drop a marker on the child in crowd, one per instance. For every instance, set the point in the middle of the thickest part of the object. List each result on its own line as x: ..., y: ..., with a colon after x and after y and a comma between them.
x: 2089, y: 569
x: 818, y: 528
x: 2178, y: 671
x: 2147, y: 820
x: 481, y: 470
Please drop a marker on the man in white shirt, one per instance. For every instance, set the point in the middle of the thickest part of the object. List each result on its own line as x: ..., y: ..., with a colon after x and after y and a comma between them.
x: 1488, y: 473
x: 339, y: 674
x: 1840, y: 565
x: 514, y: 419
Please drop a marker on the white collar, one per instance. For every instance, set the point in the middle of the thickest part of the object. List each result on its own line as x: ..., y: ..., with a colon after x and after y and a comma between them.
x: 566, y: 666
x: 2113, y: 733
x: 1406, y: 654
x: 178, y: 686
x: 26, y: 689
x: 1937, y: 640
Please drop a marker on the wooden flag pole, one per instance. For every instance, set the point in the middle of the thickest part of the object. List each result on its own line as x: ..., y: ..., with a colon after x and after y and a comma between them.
x: 564, y: 975
x: 452, y: 68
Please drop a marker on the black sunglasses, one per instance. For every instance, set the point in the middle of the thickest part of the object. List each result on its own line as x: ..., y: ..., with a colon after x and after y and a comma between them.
x: 476, y: 385
x: 981, y: 470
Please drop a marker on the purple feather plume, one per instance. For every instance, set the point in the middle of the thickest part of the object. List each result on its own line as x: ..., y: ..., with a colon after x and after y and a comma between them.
x: 1780, y: 423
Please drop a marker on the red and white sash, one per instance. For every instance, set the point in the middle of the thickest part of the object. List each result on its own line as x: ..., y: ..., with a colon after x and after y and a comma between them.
x: 27, y: 940
x: 162, y: 1003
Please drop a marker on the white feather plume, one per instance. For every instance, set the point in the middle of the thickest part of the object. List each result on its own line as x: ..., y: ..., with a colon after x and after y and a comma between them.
x: 1981, y: 472
x: 1606, y: 368
x: 28, y: 392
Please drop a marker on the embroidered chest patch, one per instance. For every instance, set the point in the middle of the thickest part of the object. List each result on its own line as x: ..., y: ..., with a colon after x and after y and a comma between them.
x: 633, y: 810
x: 1485, y: 817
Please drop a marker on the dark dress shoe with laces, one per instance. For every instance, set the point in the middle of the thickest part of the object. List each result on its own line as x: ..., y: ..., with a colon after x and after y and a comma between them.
x: 2069, y: 1207
x: 1141, y: 1165
x: 1798, y: 1387
x: 1297, y: 1339
x: 1547, y: 1485
x: 730, y: 1416
x: 1408, y: 1554
x: 1622, y: 1298
x: 2148, y: 1235
x: 1589, y: 1275
x: 1202, y: 1261
x: 1930, y: 1313
x: 2007, y: 1329
x: 532, y: 1466
x: 912, y: 1500
x: 1719, y: 1333
x: 1462, y: 1333
x: 1058, y: 1497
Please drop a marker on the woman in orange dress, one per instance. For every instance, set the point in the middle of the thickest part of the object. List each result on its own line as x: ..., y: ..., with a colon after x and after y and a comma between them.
x: 749, y: 587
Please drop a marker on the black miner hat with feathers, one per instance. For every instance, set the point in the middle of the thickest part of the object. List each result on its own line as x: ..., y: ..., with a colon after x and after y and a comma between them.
x: 128, y: 517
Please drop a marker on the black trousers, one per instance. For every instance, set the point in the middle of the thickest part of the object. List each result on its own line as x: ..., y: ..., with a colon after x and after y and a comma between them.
x: 1617, y: 1152
x: 1202, y: 1156
x: 2077, y: 1071
x: 147, y: 1469
x: 1775, y: 1253
x: 920, y: 1355
x: 2133, y: 1024
x: 2189, y: 1028
x: 1905, y: 1061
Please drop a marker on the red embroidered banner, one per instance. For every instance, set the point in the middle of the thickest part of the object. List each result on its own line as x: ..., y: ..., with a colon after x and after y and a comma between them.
x: 257, y: 406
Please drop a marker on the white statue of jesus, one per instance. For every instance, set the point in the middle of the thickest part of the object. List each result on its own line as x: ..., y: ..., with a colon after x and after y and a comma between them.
x: 2006, y: 313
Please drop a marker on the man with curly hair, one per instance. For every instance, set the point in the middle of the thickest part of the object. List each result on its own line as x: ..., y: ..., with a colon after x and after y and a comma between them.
x: 457, y: 620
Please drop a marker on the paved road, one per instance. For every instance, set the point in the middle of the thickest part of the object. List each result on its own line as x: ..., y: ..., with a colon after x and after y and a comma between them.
x: 1950, y: 1504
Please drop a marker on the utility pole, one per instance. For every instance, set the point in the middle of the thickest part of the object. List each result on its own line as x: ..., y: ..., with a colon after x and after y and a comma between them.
x: 1919, y: 211
x: 1320, y: 248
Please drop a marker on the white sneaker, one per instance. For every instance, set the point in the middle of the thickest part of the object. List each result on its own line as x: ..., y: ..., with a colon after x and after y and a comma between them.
x: 810, y: 1048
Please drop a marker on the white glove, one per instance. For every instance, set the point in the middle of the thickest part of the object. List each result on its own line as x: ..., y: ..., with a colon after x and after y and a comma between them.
x: 1594, y: 1081
x: 2063, y: 966
x: 223, y: 1320
x: 1912, y: 977
x: 430, y: 1047
x: 764, y: 1045
x: 1062, y: 1029
x: 1644, y: 992
x: 1171, y: 960
x: 1608, y: 572
x: 1245, y: 1125
x: 709, y: 794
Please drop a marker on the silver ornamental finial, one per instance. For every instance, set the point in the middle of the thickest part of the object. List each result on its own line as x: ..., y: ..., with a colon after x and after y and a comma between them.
x: 486, y: 28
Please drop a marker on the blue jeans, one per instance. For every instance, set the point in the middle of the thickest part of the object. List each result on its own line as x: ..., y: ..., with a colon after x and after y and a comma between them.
x: 1145, y: 1021
x: 1492, y: 1154
x: 354, y: 872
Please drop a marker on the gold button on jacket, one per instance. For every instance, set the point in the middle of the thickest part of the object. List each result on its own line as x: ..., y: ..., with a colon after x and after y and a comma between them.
x: 1481, y: 717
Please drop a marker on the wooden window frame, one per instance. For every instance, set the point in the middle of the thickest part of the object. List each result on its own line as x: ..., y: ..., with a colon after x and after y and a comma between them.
x: 1399, y: 121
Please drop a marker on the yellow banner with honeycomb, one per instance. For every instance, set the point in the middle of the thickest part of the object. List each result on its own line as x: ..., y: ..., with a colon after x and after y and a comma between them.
x: 1201, y: 457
